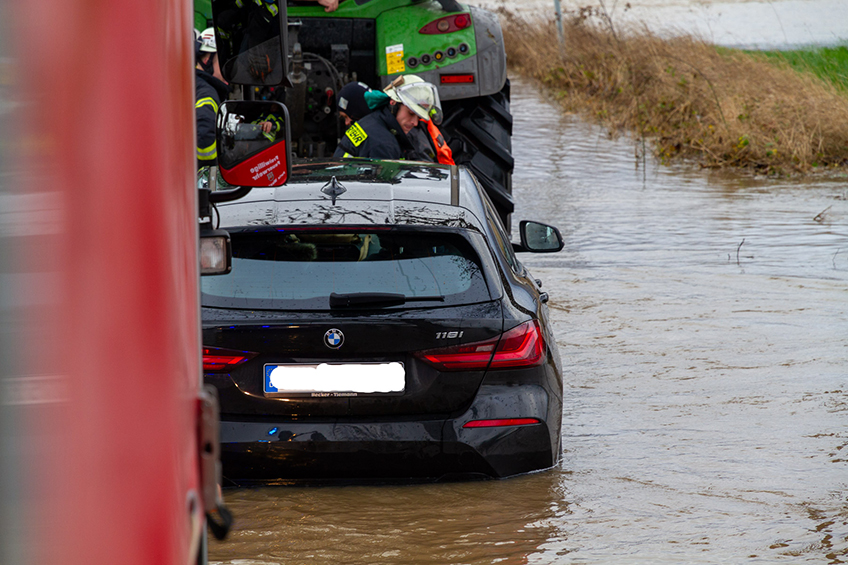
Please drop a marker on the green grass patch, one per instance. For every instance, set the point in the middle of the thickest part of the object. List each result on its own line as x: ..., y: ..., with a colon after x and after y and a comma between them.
x: 827, y: 63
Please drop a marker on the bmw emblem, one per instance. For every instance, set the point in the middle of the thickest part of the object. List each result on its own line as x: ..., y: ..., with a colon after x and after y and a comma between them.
x: 333, y: 338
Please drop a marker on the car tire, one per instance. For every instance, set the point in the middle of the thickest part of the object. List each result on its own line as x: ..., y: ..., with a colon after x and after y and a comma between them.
x: 479, y: 133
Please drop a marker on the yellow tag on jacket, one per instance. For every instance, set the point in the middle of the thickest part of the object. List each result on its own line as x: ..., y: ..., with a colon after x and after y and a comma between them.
x: 356, y: 135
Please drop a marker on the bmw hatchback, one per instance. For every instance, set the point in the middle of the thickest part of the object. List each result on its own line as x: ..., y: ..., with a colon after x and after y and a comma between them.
x: 377, y: 325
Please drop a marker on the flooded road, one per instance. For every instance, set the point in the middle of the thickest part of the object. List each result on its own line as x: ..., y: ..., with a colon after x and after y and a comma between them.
x: 702, y: 322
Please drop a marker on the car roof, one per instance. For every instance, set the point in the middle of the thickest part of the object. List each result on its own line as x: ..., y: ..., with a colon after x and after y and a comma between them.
x: 361, y: 191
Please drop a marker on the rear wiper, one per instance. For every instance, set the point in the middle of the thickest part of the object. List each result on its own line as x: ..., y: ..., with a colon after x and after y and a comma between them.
x: 354, y: 299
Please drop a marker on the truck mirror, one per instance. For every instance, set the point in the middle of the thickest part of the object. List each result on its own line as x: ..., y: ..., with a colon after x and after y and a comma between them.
x: 216, y: 254
x: 253, y: 141
x: 251, y: 38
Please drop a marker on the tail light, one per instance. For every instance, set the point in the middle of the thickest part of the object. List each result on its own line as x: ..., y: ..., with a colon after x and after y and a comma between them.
x: 467, y: 357
x: 522, y: 346
x: 447, y: 24
x: 216, y: 360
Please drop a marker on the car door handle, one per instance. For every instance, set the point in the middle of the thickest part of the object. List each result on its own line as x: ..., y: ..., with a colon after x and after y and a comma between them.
x: 543, y: 296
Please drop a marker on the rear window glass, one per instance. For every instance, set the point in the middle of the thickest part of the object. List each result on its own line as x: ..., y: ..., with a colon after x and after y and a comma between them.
x: 299, y: 269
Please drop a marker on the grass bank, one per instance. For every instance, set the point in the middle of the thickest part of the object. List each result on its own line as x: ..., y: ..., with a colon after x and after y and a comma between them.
x: 827, y: 63
x: 688, y: 98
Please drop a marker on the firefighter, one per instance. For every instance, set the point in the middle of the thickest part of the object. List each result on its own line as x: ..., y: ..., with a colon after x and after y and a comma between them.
x: 426, y: 137
x: 389, y: 131
x: 209, y: 90
x: 352, y: 104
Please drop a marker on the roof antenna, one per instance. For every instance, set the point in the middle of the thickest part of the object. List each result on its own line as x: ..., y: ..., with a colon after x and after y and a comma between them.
x: 333, y: 189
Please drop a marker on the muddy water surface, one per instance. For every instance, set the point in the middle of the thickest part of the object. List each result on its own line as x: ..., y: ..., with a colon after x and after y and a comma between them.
x: 709, y: 402
x: 706, y: 401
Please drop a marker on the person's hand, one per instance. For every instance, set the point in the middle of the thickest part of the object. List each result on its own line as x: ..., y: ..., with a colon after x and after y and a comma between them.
x: 329, y: 5
x: 266, y: 127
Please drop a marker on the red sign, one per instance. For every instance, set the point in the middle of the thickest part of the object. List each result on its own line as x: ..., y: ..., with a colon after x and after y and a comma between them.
x: 267, y: 168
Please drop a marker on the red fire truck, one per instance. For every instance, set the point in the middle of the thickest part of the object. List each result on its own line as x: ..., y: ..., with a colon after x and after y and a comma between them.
x: 107, y: 440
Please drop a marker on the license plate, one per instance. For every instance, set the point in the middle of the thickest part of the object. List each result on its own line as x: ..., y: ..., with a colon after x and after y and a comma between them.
x: 335, y: 379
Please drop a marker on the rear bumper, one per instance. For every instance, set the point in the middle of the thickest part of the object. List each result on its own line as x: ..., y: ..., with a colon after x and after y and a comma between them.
x: 415, y: 450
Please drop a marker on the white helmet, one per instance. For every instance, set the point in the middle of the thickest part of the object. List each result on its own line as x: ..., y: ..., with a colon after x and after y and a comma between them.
x: 207, y: 40
x: 419, y: 96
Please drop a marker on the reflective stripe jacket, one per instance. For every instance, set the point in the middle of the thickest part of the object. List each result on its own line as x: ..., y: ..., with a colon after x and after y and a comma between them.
x: 277, y: 125
x: 208, y: 93
x: 379, y: 136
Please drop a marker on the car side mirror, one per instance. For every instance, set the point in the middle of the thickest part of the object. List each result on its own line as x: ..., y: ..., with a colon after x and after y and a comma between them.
x: 251, y: 40
x: 253, y: 142
x: 538, y: 238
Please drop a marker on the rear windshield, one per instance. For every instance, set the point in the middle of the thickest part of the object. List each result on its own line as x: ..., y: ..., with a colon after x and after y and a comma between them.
x: 299, y: 269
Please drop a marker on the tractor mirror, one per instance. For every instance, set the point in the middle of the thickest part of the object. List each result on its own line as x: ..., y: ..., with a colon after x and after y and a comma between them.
x: 252, y: 40
x: 253, y: 141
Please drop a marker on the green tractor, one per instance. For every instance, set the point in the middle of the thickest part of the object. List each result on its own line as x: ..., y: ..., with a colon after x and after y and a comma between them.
x: 456, y: 47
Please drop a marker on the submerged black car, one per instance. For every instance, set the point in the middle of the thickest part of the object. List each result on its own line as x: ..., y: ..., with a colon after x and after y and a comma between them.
x: 377, y: 324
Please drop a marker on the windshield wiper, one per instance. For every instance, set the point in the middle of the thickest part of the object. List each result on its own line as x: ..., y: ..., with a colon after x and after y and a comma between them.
x: 356, y: 299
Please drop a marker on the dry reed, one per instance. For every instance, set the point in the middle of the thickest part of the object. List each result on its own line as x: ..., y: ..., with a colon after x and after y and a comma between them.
x: 691, y: 99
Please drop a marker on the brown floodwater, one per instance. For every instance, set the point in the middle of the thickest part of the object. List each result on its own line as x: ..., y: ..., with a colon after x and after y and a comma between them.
x: 703, y: 323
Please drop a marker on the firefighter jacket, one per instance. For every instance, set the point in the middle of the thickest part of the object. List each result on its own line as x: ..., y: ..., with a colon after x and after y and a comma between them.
x: 429, y: 141
x: 277, y: 125
x: 378, y: 136
x: 208, y: 94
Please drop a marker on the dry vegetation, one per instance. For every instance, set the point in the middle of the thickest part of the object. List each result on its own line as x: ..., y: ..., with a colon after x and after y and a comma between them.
x: 722, y: 107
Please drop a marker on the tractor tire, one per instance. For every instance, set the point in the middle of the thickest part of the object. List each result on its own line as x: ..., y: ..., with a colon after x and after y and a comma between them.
x: 479, y: 133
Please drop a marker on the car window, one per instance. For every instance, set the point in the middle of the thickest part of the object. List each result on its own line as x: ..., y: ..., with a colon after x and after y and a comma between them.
x: 299, y: 268
x: 499, y: 234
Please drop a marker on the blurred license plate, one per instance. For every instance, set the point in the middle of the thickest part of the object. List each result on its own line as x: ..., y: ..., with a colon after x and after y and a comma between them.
x: 326, y: 379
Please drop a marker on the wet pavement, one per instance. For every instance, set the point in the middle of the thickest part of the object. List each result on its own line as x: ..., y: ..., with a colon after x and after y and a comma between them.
x: 702, y: 321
